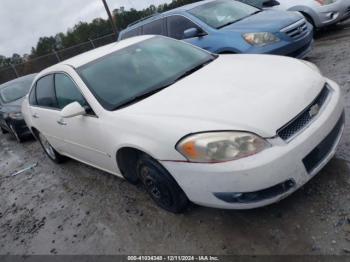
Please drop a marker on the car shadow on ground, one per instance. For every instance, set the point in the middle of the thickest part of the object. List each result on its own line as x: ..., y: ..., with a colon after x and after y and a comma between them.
x: 332, y: 31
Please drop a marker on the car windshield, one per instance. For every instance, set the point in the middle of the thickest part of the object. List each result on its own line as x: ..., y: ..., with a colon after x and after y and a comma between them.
x: 221, y: 13
x: 15, y: 90
x: 140, y: 69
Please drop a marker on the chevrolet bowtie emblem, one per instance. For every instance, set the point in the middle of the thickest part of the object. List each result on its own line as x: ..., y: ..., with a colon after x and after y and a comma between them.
x: 314, y: 110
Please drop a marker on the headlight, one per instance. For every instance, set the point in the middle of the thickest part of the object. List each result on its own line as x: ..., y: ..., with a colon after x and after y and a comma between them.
x: 216, y: 147
x: 325, y: 2
x: 261, y: 38
x: 312, y: 66
x: 17, y: 115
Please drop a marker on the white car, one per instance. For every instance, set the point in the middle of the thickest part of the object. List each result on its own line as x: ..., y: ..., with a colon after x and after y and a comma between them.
x: 230, y: 131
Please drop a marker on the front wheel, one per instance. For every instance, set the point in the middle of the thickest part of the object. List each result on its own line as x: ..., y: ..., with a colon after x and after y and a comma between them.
x: 49, y: 150
x: 160, y: 185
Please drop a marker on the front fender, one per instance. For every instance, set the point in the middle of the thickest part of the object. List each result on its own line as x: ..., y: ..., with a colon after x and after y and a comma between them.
x: 308, y: 11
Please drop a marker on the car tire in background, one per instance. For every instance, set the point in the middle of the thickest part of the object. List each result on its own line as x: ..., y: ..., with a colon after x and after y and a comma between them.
x: 309, y: 19
x: 160, y: 185
x: 15, y: 134
x: 49, y: 150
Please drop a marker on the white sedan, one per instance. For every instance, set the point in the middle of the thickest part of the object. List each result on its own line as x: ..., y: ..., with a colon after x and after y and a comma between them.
x: 230, y: 131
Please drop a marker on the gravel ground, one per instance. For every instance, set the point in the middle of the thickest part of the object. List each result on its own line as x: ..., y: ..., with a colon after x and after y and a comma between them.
x: 75, y: 209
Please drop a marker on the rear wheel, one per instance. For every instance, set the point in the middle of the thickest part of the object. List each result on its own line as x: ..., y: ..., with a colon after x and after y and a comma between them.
x: 160, y: 185
x: 49, y: 150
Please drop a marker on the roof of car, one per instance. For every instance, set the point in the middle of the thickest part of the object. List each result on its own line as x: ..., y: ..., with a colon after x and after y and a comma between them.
x: 172, y: 11
x: 99, y: 52
x: 189, y: 6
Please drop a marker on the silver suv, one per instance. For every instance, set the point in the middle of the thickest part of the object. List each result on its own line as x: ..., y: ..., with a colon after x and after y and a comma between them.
x: 318, y: 12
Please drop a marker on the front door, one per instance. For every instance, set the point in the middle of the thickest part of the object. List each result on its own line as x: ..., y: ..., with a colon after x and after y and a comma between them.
x: 84, y: 138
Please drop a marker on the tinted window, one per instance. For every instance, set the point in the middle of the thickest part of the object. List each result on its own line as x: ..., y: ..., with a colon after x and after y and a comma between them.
x: 154, y: 28
x: 221, y: 13
x: 32, y: 97
x: 67, y: 92
x: 177, y: 25
x: 118, y: 78
x: 45, y: 93
x: 256, y: 3
x: 131, y: 33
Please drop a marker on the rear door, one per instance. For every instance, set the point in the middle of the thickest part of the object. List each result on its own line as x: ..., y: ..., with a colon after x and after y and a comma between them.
x: 154, y: 28
x: 45, y: 112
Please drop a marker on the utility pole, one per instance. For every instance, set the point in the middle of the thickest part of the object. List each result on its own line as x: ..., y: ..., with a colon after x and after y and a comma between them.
x: 110, y: 17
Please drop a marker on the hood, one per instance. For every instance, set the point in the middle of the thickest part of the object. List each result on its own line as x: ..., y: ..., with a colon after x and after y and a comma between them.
x: 14, y: 106
x: 267, y: 21
x: 256, y: 93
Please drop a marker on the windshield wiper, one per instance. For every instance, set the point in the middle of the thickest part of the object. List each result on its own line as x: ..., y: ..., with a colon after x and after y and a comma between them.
x: 142, y: 96
x: 235, y: 21
x: 194, y: 69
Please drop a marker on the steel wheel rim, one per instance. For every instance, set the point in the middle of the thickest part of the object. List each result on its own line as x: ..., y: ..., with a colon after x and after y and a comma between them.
x: 154, y: 189
x: 47, y: 146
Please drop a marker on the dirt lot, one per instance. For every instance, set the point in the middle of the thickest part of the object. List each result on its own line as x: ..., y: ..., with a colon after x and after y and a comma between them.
x: 75, y: 209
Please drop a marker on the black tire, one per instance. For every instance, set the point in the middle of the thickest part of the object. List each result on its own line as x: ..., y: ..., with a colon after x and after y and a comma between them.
x: 160, y: 185
x: 127, y: 163
x: 18, y: 137
x: 49, y: 150
x: 3, y: 130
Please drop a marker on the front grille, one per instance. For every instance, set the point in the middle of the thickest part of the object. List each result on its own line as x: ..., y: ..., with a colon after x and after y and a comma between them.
x: 313, y: 159
x: 296, y: 30
x: 305, y: 117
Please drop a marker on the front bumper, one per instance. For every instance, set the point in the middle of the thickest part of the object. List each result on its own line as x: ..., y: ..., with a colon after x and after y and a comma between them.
x: 281, y: 163
x: 333, y: 13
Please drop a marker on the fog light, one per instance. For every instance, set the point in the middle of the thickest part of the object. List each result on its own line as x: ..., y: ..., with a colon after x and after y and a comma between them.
x: 251, y: 197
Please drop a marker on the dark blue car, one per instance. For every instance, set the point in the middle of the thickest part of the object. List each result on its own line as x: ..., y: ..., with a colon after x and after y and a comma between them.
x: 229, y: 26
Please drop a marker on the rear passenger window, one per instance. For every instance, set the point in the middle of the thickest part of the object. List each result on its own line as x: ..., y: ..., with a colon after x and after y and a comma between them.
x: 154, y: 28
x: 131, y: 33
x: 67, y: 92
x: 45, y: 93
x: 177, y: 25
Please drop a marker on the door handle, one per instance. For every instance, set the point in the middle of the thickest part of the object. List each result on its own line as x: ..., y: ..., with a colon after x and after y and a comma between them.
x: 61, y: 122
x: 35, y: 115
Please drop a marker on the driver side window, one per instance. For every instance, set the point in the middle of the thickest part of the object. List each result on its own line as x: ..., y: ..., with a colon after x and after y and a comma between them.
x: 177, y: 25
x: 67, y: 92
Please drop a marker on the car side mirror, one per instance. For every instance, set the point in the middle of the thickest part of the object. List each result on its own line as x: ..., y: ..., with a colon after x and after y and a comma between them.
x: 193, y: 32
x: 72, y: 110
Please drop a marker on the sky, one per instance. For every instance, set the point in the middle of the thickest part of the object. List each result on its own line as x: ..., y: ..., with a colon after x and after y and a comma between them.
x: 22, y: 22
